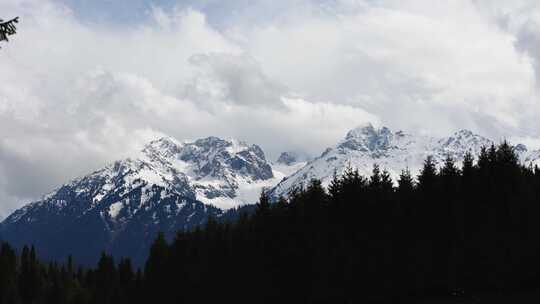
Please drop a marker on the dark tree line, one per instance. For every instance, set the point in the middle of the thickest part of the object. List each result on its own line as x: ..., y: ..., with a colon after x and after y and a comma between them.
x: 452, y: 230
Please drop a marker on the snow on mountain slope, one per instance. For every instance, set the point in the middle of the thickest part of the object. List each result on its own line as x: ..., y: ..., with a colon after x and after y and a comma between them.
x: 176, y: 185
x: 170, y: 186
x: 222, y: 173
x: 394, y: 151
x: 217, y: 172
x: 288, y: 163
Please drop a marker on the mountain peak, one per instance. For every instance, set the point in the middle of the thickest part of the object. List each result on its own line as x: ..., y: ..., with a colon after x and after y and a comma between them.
x: 520, y: 148
x: 164, y: 141
x: 368, y: 131
x: 368, y: 138
x: 215, y: 142
x: 464, y: 140
x: 393, y: 151
x: 361, y: 131
x: 165, y: 146
x: 288, y: 158
x: 211, y: 170
x: 464, y: 133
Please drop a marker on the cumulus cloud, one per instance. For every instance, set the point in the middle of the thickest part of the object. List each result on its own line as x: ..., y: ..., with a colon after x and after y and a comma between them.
x: 232, y: 79
x: 78, y: 92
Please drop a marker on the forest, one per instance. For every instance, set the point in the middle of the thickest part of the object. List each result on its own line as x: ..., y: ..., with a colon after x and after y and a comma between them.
x: 450, y: 231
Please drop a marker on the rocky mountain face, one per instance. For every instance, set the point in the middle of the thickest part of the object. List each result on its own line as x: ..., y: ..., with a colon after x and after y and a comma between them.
x: 289, y: 162
x: 176, y: 185
x: 171, y: 186
x: 288, y: 158
x: 393, y: 151
x: 222, y: 173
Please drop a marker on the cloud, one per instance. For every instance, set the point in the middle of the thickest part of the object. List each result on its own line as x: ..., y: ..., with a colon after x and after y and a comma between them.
x: 422, y: 57
x: 79, y: 90
x: 232, y: 79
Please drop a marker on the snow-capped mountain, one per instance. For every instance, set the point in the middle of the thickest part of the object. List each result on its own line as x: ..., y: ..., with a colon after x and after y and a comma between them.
x: 222, y: 173
x: 289, y: 162
x: 174, y: 185
x: 170, y: 186
x: 288, y: 158
x: 394, y: 151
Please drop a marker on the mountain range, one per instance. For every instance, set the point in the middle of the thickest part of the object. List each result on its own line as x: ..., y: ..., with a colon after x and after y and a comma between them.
x: 170, y: 186
x: 173, y: 185
x: 365, y: 146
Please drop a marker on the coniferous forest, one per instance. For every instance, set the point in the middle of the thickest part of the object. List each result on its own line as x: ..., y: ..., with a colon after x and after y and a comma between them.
x: 451, y: 231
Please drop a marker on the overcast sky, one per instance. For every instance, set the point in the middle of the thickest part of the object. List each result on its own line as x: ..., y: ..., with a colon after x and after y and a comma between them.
x: 86, y: 82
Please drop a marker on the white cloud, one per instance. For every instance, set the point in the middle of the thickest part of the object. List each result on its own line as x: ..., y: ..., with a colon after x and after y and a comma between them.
x: 283, y: 74
x: 422, y: 57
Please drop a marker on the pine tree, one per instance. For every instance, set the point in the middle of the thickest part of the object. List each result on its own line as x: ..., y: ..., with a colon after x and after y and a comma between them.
x: 156, y: 271
x: 456, y: 229
x: 387, y: 185
x: 468, y: 165
x: 449, y: 168
x: 405, y: 182
x: 8, y: 274
x: 334, y: 188
x: 263, y: 206
x: 35, y: 276
x: 317, y: 195
x: 105, y: 279
x: 506, y: 155
x: 483, y: 159
x: 159, y: 254
x: 25, y: 276
x: 125, y: 272
x: 492, y: 154
x: 375, y: 179
x: 428, y: 176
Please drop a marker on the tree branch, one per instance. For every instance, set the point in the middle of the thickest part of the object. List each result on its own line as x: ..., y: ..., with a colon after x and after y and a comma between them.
x: 8, y: 28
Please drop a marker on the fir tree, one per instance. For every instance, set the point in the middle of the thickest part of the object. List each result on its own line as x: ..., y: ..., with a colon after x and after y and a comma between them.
x: 428, y: 176
x: 468, y: 165
x: 375, y: 179
x: 405, y: 182
x: 263, y: 206
x: 364, y: 242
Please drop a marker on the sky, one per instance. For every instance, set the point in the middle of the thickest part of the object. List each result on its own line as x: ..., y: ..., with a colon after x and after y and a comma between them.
x: 86, y: 82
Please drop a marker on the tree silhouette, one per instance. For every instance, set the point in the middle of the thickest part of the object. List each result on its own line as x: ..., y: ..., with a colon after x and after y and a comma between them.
x: 469, y: 230
x: 8, y: 28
